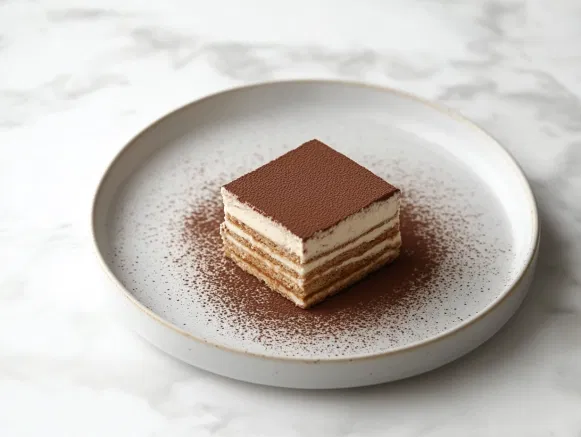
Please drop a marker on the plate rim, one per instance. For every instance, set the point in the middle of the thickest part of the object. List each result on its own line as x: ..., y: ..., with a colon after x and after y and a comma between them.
x: 508, y: 290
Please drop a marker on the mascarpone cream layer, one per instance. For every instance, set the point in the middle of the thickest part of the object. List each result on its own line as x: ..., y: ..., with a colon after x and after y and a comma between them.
x: 323, y: 241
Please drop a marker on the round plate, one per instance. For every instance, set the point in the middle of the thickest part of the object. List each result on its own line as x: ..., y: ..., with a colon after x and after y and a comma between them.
x: 469, y: 225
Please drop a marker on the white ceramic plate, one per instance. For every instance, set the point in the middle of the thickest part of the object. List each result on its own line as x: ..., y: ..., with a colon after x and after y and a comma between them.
x: 467, y: 205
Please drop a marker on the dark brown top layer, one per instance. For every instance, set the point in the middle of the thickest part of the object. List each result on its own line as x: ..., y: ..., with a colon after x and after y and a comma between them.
x: 310, y: 188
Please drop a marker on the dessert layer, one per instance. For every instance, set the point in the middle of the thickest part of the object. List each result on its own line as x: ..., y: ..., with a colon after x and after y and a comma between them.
x: 386, y: 232
x: 318, y: 283
x: 305, y: 286
x: 295, y: 193
x: 314, y: 298
x: 321, y: 242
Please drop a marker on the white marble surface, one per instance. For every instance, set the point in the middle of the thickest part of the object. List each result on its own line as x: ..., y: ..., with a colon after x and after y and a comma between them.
x: 77, y: 79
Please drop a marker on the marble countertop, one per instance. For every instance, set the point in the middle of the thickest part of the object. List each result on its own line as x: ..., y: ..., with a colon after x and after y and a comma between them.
x: 78, y: 79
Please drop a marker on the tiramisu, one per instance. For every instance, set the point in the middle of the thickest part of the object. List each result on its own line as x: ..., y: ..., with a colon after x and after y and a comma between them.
x: 310, y: 223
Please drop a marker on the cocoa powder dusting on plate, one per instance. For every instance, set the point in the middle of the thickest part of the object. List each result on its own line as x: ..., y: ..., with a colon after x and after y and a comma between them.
x: 244, y: 304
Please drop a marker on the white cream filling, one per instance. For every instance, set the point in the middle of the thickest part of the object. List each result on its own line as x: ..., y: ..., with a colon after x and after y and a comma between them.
x: 261, y: 224
x: 351, y: 227
x: 323, y: 241
x: 304, y: 269
x: 300, y: 281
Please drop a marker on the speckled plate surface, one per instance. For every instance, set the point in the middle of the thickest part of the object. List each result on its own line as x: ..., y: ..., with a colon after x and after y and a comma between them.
x: 470, y: 235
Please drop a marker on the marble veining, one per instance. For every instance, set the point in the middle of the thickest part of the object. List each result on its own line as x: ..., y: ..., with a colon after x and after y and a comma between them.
x: 79, y: 78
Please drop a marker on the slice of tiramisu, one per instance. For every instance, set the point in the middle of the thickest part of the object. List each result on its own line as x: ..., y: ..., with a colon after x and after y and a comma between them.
x: 310, y: 223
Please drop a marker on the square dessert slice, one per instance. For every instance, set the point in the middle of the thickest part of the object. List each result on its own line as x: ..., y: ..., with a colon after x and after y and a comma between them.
x: 310, y: 223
